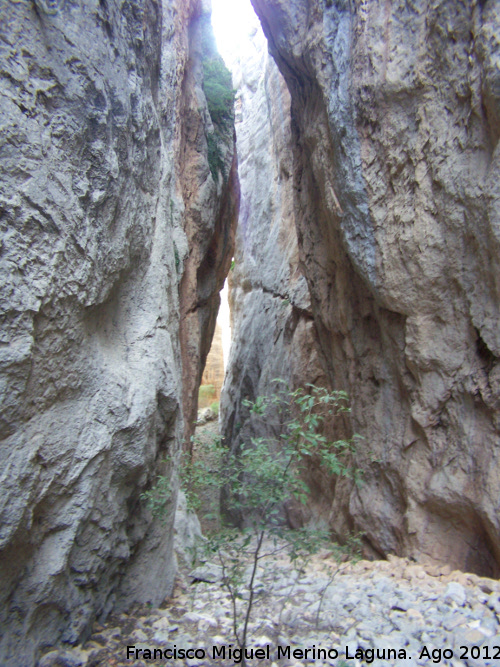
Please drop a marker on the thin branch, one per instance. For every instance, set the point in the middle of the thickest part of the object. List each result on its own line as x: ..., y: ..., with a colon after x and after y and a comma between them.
x: 322, y: 596
x: 251, y: 588
x: 276, y: 551
x: 232, y: 596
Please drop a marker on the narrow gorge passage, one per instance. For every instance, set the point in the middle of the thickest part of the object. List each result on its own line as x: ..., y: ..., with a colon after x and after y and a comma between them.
x: 351, y: 197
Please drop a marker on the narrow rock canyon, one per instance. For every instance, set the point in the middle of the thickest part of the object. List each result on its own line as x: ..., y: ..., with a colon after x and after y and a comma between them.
x: 366, y: 246
x: 273, y: 334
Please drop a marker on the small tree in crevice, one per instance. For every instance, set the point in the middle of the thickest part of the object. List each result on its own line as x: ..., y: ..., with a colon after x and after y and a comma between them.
x: 261, y: 477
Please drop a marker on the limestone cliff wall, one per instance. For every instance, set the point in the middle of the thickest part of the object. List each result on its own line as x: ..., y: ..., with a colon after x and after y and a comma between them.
x: 395, y: 125
x: 101, y: 112
x: 273, y: 334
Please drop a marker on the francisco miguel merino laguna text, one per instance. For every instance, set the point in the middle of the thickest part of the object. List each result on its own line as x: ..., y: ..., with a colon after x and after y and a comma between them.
x: 226, y: 651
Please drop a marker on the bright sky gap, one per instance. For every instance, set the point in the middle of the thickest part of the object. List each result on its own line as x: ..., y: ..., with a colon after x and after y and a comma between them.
x: 232, y: 21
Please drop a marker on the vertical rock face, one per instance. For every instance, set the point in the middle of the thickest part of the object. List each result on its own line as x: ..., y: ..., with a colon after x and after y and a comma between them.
x: 273, y: 334
x: 395, y: 126
x: 98, y: 102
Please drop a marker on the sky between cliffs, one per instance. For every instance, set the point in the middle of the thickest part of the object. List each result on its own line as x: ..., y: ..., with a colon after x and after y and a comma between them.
x: 232, y: 21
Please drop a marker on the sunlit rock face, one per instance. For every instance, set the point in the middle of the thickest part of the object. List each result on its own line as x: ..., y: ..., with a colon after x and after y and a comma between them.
x: 395, y: 122
x: 98, y: 103
x: 273, y: 335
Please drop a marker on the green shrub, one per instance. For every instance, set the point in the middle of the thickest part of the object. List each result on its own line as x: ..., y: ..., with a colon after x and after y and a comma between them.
x: 219, y: 93
x: 218, y: 89
x: 261, y: 477
x: 215, y: 407
x: 201, y: 472
x: 159, y: 497
x: 215, y: 161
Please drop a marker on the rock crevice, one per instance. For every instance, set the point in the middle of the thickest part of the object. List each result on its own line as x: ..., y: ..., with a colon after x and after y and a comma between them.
x: 273, y: 335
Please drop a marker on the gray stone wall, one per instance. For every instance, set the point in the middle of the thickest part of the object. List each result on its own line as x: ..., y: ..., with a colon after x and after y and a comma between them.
x: 93, y: 101
x: 395, y: 169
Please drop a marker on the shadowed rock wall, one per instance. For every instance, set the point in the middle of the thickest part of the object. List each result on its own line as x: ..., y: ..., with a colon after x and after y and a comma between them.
x: 97, y: 104
x: 395, y: 122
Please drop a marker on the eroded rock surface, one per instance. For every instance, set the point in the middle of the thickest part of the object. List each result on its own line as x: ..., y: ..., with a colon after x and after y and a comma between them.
x: 98, y: 103
x: 396, y: 201
x: 210, y: 237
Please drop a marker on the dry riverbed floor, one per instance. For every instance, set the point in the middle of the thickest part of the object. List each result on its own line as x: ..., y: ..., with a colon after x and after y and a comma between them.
x: 412, y: 614
x: 394, y: 604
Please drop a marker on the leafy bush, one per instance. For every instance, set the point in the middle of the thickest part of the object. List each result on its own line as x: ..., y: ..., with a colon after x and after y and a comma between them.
x: 201, y: 474
x: 159, y: 497
x: 215, y: 161
x: 215, y: 407
x: 261, y: 477
x: 219, y: 93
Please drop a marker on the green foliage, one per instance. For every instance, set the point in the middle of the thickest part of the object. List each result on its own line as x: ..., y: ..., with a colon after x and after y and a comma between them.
x: 158, y: 497
x: 219, y: 93
x: 265, y: 472
x: 199, y: 474
x: 177, y: 259
x: 304, y: 413
x: 262, y: 476
x: 218, y: 89
x: 206, y: 395
x: 215, y: 161
x: 206, y: 390
x: 215, y: 407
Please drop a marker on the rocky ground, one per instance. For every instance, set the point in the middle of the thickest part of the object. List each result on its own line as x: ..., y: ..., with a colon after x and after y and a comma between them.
x: 423, y: 613
x: 418, y: 611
